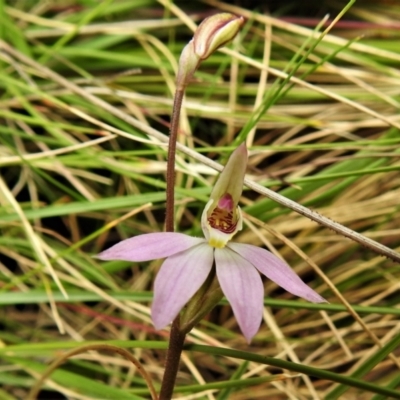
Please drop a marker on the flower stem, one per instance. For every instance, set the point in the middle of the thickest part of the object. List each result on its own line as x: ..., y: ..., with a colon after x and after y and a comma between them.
x: 176, y: 340
x: 170, y: 203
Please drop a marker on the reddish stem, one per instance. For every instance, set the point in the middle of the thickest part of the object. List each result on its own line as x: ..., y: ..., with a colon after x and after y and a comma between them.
x: 176, y: 341
x: 170, y: 203
x: 177, y: 338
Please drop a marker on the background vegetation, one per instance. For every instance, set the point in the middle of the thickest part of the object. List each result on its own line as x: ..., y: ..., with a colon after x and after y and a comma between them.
x: 86, y: 94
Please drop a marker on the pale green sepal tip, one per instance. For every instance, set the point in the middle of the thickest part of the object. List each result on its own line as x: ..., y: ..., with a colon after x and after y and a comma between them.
x: 231, y: 178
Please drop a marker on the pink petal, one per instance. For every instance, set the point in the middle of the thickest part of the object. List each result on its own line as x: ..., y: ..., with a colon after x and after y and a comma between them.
x: 149, y: 247
x: 242, y: 286
x: 179, y: 278
x: 276, y: 270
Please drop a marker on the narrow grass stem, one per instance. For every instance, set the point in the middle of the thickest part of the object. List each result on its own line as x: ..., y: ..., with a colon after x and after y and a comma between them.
x: 34, y: 392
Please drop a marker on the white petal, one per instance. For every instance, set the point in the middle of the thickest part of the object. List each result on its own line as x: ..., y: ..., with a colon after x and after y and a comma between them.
x: 204, y: 223
x: 276, y: 270
x: 179, y: 278
x: 242, y: 285
x: 150, y: 246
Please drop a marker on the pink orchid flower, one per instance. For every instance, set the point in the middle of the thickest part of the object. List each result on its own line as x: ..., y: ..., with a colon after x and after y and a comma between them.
x: 189, y: 260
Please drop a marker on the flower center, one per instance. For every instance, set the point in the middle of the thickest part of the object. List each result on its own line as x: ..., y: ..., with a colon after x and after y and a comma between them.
x: 223, y: 217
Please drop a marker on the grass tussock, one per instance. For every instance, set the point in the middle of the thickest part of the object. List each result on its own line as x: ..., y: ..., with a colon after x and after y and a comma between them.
x: 86, y: 95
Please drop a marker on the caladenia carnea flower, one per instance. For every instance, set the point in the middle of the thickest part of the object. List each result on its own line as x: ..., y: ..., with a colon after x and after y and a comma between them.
x: 212, y: 33
x: 189, y: 260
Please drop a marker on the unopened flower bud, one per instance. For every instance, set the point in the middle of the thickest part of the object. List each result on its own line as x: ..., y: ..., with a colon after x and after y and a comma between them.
x: 212, y: 33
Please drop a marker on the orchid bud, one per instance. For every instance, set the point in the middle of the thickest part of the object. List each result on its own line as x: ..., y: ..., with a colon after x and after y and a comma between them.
x: 212, y: 33
x: 222, y: 217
